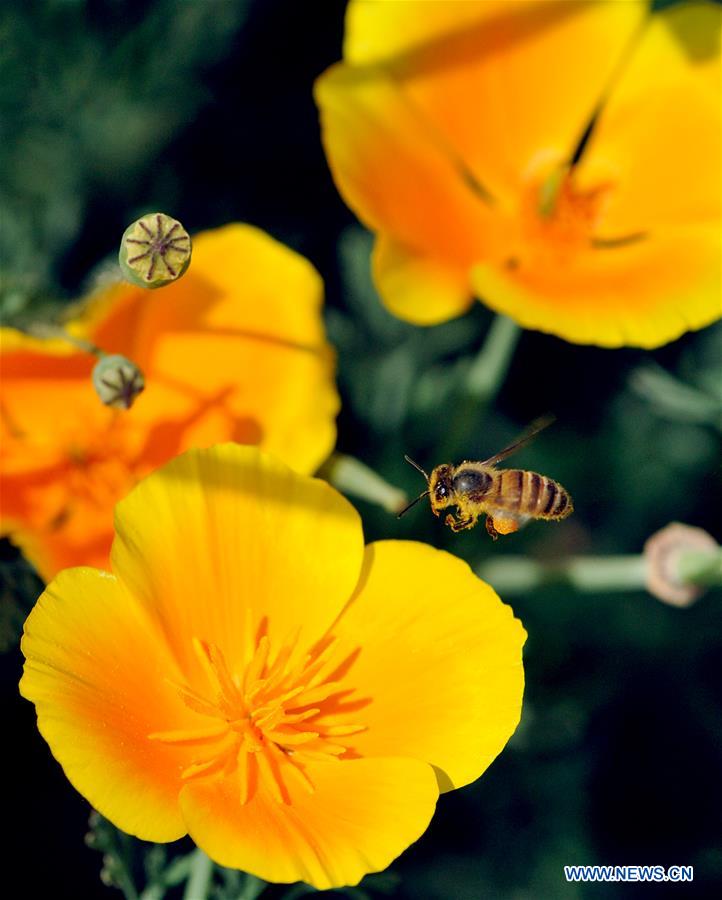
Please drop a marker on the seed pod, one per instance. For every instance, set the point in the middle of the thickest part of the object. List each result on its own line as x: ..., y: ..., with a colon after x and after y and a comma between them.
x: 154, y: 251
x: 117, y: 381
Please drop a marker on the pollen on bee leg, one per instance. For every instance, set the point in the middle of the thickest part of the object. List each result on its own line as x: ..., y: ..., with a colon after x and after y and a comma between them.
x: 506, y: 524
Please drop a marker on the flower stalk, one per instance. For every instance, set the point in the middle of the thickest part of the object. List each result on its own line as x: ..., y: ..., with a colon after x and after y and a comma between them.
x: 514, y: 575
x: 201, y: 876
x: 694, y: 571
x: 46, y: 331
x: 483, y: 381
x: 489, y: 369
x: 351, y: 476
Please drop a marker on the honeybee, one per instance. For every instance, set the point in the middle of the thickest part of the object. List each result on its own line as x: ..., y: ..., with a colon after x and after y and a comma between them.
x: 508, y: 497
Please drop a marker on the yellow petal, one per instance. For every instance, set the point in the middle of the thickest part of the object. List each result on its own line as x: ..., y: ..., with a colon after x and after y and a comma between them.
x: 398, y: 177
x: 361, y: 816
x: 377, y: 31
x: 431, y: 146
x: 440, y: 661
x: 417, y: 288
x: 517, y: 86
x: 658, y: 141
x: 95, y: 669
x: 222, y: 544
x: 641, y: 295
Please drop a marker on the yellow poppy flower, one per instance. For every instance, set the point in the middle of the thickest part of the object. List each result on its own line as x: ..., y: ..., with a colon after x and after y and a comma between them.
x: 458, y: 133
x: 235, y: 350
x: 250, y: 674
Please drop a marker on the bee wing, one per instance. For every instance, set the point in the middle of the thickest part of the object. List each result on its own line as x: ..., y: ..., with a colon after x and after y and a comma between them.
x: 536, y: 426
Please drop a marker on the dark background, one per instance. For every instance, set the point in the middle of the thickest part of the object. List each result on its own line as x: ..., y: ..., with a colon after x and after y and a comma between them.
x: 204, y: 110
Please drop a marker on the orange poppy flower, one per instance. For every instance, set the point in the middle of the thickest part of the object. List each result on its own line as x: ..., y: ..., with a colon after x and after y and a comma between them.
x: 234, y: 350
x: 252, y: 675
x: 456, y: 131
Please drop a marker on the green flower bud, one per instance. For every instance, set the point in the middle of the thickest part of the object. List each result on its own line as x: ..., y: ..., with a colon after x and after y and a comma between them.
x: 154, y: 251
x: 117, y: 381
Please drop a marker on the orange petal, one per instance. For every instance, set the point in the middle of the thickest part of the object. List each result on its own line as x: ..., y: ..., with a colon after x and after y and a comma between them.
x: 643, y: 294
x: 95, y: 669
x: 658, y: 141
x: 440, y: 660
x: 417, y: 288
x: 249, y: 316
x: 224, y: 544
x: 361, y: 816
x: 84, y: 537
x: 515, y: 87
x: 48, y: 408
x: 399, y: 177
x: 44, y: 383
x: 241, y: 281
x: 377, y: 31
x: 261, y: 390
x: 248, y: 312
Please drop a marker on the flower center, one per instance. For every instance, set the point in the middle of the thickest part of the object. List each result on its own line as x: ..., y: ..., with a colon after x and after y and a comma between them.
x: 99, y: 468
x: 267, y: 723
x: 556, y: 220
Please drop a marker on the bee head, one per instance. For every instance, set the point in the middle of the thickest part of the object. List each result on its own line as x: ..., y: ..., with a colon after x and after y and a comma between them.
x: 441, y: 488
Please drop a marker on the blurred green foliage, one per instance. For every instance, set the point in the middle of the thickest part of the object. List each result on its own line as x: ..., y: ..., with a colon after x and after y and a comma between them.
x: 90, y: 96
x: 204, y: 109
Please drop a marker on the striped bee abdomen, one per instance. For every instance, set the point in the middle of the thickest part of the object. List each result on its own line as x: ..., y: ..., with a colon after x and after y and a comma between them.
x: 531, y: 494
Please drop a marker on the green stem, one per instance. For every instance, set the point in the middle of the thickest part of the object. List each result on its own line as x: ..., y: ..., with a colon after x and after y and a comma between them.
x: 46, y: 331
x: 596, y: 574
x: 484, y: 380
x: 700, y: 567
x: 488, y: 371
x: 674, y: 399
x: 351, y: 476
x: 201, y: 875
x: 252, y: 888
x: 122, y: 856
x: 587, y: 574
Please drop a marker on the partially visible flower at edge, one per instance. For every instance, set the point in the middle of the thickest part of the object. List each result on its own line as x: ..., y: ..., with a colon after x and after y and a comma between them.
x: 235, y: 350
x: 250, y: 674
x: 456, y: 131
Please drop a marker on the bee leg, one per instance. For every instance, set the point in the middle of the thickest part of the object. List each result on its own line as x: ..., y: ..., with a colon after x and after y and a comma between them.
x: 459, y: 524
x: 490, y: 528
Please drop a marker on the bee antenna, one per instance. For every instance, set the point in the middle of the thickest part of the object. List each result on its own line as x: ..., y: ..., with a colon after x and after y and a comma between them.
x: 413, y: 502
x: 418, y: 469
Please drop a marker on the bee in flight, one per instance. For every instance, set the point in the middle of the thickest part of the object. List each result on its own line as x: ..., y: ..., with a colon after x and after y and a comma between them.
x: 508, y: 497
